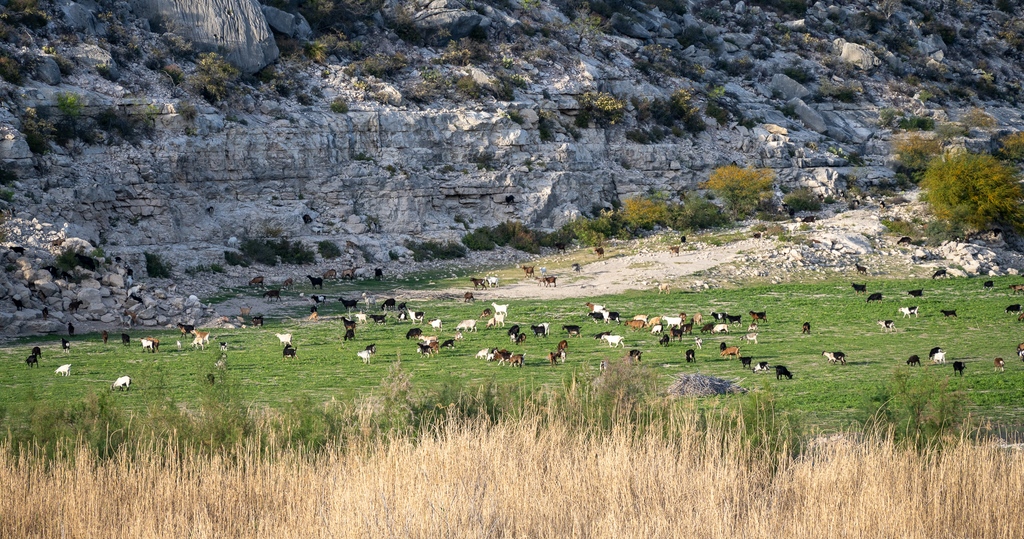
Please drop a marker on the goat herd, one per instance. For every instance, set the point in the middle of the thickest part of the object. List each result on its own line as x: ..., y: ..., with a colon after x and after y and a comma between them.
x: 665, y: 328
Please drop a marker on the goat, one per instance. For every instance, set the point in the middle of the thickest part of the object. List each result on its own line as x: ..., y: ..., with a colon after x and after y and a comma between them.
x: 31, y: 360
x: 733, y: 319
x: 349, y: 324
x: 287, y: 282
x: 745, y: 361
x: 697, y: 318
x: 500, y: 309
x: 751, y: 337
x: 315, y: 282
x: 330, y: 274
x: 528, y: 270
x: 388, y: 305
x: 988, y: 284
x: 517, y: 360
x: 707, y: 328
x: 916, y: 293
x: 19, y: 305
x: 549, y: 281
x: 594, y: 308
x: 123, y: 383
x: 762, y: 367
x: 635, y: 355
x: 151, y: 344
x: 698, y: 342
x: 877, y: 296
x: 256, y: 280
x: 289, y: 352
x: 673, y: 320
x: 468, y: 297
x: 674, y: 249
x: 610, y: 316
x: 350, y: 334
x: 656, y: 329
x: 733, y: 351
x: 887, y: 326
x: 691, y: 356
x: 541, y: 330
x: 379, y: 319
x: 781, y: 371
x: 939, y: 273
x: 860, y: 269
x: 573, y: 331
x: 365, y: 355
x: 597, y: 316
x: 907, y: 311
x: 349, y: 304
x: 436, y: 324
x: 763, y: 315
x: 858, y: 288
x: 468, y: 325
x: 417, y: 316
x: 514, y: 330
x: 719, y: 316
x: 664, y: 340
x: 999, y: 364
x: 835, y: 357
x: 958, y: 368
x: 486, y: 353
x: 914, y: 360
x: 948, y: 314
x: 905, y: 240
x: 599, y: 252
x: 1015, y: 288
x: 126, y: 339
x: 577, y: 268
x: 285, y: 338
x: 937, y: 355
x: 806, y: 328
x: 65, y: 346
x: 63, y: 370
x: 635, y: 325
x: 664, y: 288
x: 71, y: 329
x: 613, y: 340
x: 492, y: 282
x: 185, y: 328
x: 1015, y: 308
x: 318, y: 298
x: 720, y: 328
x: 272, y: 294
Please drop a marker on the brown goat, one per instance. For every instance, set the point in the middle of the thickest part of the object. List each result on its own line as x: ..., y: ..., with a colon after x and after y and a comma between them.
x: 731, y: 351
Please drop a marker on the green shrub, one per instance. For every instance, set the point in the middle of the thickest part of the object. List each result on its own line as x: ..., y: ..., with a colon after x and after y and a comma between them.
x: 10, y: 69
x: 339, y: 105
x: 802, y: 199
x: 918, y: 412
x: 435, y: 250
x: 974, y: 190
x: 382, y: 65
x: 742, y: 188
x: 235, y: 258
x: 127, y: 127
x: 604, y: 108
x: 901, y: 227
x: 328, y: 249
x: 156, y: 266
x: 1011, y: 147
x: 479, y: 240
x: 69, y: 104
x: 266, y: 251
x: 916, y: 123
x: 38, y: 131
x: 214, y: 77
x: 468, y: 87
x: 915, y: 152
x: 697, y: 214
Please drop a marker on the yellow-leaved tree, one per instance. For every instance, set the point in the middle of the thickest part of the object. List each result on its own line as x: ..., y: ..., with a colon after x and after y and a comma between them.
x: 741, y: 188
x: 976, y: 190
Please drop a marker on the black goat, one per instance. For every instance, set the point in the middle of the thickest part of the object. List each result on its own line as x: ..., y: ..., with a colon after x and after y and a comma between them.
x: 316, y: 281
x: 781, y: 371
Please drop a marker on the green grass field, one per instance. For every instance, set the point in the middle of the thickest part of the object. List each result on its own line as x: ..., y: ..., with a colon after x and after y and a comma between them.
x: 326, y: 368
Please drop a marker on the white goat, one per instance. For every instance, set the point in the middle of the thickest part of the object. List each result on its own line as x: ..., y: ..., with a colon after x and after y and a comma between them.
x: 614, y: 340
x: 64, y: 370
x: 492, y: 282
x: 907, y: 311
x: 365, y: 356
x: 468, y: 325
x: 360, y: 318
x: 486, y: 353
x: 436, y: 324
x: 720, y: 328
x: 122, y: 383
x: 672, y: 320
x: 500, y: 309
x: 656, y: 329
x: 699, y: 342
x: 285, y: 338
x: 939, y: 357
x: 887, y: 326
x: 752, y: 337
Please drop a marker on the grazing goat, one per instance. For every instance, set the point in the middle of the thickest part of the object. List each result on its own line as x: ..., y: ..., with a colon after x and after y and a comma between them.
x: 733, y: 351
x: 706, y: 328
x: 858, y: 288
x: 272, y: 294
x: 315, y: 282
x: 63, y: 370
x: 937, y: 355
x: 948, y: 314
x: 733, y: 319
x: 285, y: 338
x: 577, y: 268
x: 835, y: 357
x: 517, y: 360
x: 150, y: 344
x: 673, y: 320
x: 514, y: 330
x: 350, y: 274
x: 548, y: 281
x: 350, y: 334
x: 1015, y: 308
x: 958, y: 368
x: 752, y: 327
x: 656, y: 329
x: 762, y: 367
x: 123, y: 383
x: 256, y: 280
x: 635, y: 355
x: 468, y: 325
x: 905, y: 240
x: 720, y: 328
x: 500, y: 309
x: 916, y: 293
x: 597, y: 316
x: 718, y: 316
x: 36, y: 351
x: 330, y: 274
x: 573, y: 331
x: 939, y: 273
x: 388, y: 305
x: 541, y: 330
x: 486, y: 353
x: 65, y: 346
x: 674, y: 249
x: 289, y: 352
x: 635, y: 325
x: 257, y: 320
x: 287, y: 282
x: 664, y: 340
x: 436, y: 324
x: 349, y: 304
x: 1016, y: 288
x: 468, y: 297
x: 126, y: 339
x: 877, y: 296
x: 781, y: 371
x: 999, y: 364
x: 887, y: 326
x: 988, y: 284
x: 806, y: 328
x: 745, y: 361
x: 663, y: 288
x: 907, y: 311
x: 379, y: 319
x: 697, y: 319
x: 691, y: 356
x: 763, y: 315
x: 31, y: 360
x: 71, y: 329
x: 611, y: 315
x: 594, y: 308
x: 614, y: 340
x: 914, y: 360
x: 751, y: 337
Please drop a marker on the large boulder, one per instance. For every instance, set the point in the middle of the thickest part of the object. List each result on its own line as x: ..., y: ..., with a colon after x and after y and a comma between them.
x: 788, y: 88
x: 858, y: 55
x: 291, y: 25
x: 448, y: 18
x: 235, y: 28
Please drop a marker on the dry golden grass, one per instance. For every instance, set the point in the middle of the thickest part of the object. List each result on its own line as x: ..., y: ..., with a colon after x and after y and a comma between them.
x: 522, y: 479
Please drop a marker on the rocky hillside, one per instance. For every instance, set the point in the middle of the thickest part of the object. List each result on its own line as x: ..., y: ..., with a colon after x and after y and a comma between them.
x: 183, y: 126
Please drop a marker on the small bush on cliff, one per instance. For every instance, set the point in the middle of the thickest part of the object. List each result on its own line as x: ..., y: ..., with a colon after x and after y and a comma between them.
x: 156, y: 266
x: 38, y: 131
x: 802, y: 200
x: 328, y: 249
x: 603, y: 108
x: 435, y: 250
x: 741, y: 188
x: 915, y: 152
x: 265, y: 251
x: 214, y: 77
